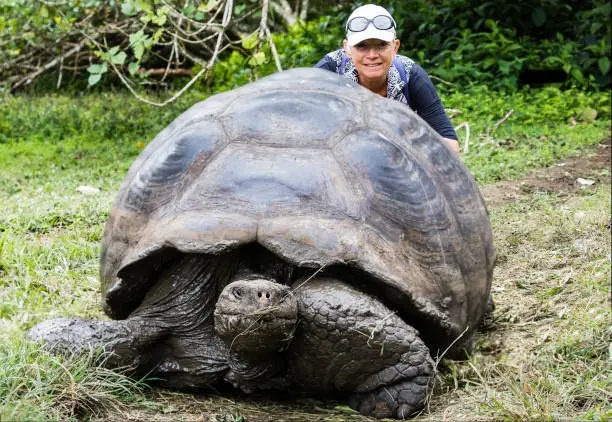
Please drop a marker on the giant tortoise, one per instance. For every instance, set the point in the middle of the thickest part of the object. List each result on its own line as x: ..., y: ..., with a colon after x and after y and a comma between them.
x: 298, y: 233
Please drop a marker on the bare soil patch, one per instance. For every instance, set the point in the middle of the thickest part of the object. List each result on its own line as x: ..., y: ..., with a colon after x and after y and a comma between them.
x: 566, y: 177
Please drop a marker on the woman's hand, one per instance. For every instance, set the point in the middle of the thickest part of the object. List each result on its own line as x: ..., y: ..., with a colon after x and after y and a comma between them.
x: 452, y: 144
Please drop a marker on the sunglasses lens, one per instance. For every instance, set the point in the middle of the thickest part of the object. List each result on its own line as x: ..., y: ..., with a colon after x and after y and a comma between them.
x: 358, y: 24
x: 382, y: 22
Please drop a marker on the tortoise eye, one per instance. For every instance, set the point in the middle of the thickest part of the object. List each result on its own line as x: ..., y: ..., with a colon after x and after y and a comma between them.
x: 237, y: 293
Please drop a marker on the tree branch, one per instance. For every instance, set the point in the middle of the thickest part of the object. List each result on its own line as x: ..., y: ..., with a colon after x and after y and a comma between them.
x: 227, y: 14
x: 283, y: 8
x: 29, y: 77
x: 264, y: 32
x: 303, y: 10
x: 499, y: 123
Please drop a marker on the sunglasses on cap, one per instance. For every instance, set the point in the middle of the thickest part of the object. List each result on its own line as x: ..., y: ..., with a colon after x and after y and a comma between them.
x: 360, y: 23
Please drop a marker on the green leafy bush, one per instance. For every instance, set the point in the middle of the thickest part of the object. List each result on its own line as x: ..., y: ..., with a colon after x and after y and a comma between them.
x: 303, y: 45
x: 468, y: 41
x: 101, y: 117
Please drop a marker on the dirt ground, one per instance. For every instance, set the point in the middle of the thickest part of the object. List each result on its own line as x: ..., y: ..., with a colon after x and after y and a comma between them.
x: 566, y: 178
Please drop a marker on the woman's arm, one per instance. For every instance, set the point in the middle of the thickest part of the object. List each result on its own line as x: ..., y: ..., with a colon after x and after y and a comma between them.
x: 424, y: 99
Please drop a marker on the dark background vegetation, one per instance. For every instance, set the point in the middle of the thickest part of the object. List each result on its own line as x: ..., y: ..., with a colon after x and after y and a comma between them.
x: 504, y: 45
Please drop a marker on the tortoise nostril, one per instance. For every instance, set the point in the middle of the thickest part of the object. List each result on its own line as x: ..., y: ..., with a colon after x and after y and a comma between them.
x: 258, y: 294
x: 267, y: 295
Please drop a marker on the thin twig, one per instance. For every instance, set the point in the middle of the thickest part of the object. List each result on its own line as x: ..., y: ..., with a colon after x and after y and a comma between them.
x: 273, y: 50
x: 439, y: 358
x: 30, y: 77
x: 61, y: 72
x: 452, y: 112
x: 264, y: 32
x: 308, y: 279
x: 227, y: 13
x: 499, y: 123
x: 466, y: 144
x: 441, y: 80
x: 303, y: 11
x: 284, y: 10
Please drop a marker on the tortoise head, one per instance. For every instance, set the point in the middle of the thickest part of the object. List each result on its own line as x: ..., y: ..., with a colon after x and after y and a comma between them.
x: 256, y: 315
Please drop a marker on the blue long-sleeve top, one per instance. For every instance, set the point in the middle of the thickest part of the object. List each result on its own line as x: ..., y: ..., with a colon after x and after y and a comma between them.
x: 423, y: 96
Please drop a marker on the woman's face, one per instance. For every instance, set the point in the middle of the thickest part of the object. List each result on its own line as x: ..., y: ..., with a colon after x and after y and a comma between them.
x: 372, y: 57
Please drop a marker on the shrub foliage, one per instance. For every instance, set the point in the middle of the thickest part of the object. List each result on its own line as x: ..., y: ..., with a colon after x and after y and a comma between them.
x: 144, y: 42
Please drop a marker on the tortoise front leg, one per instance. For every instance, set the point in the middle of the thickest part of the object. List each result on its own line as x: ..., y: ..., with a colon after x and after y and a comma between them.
x: 169, y: 336
x: 349, y: 342
x: 76, y: 336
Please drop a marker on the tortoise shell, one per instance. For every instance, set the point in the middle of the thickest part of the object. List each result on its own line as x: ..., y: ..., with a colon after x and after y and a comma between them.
x: 321, y: 173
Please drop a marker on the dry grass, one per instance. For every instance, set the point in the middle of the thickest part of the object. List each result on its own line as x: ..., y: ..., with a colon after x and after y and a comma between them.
x: 545, y: 354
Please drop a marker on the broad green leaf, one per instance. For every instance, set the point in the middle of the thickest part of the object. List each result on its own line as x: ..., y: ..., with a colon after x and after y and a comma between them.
x: 94, y: 78
x: 250, y: 42
x: 97, y: 68
x: 138, y: 50
x: 157, y: 35
x: 139, y: 41
x: 133, y: 68
x: 147, y: 41
x: 161, y: 16
x: 258, y: 59
x: 159, y: 20
x: 119, y: 58
x: 189, y: 11
x: 487, y: 63
x: 113, y: 50
x: 146, y: 18
x: 504, y: 66
x: 129, y: 8
x: 144, y: 5
x: 136, y: 37
x: 538, y: 16
x: 604, y: 65
x: 577, y: 74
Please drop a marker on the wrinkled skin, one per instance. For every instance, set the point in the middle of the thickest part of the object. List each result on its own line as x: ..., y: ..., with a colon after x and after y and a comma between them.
x: 296, y: 234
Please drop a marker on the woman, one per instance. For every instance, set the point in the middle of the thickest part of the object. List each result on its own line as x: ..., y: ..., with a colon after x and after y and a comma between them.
x: 370, y: 58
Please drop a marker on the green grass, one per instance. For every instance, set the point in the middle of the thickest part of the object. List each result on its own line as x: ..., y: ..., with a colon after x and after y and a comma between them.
x: 35, y: 385
x: 546, y: 125
x: 554, y: 260
x: 548, y: 357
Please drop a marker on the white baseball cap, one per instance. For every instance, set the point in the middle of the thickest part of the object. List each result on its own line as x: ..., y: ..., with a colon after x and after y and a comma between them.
x: 369, y: 11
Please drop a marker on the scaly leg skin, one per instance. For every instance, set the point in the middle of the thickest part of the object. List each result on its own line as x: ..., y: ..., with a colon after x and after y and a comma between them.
x: 347, y: 341
x: 170, y: 335
x: 75, y: 336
